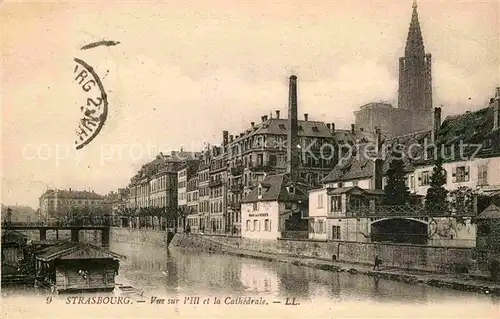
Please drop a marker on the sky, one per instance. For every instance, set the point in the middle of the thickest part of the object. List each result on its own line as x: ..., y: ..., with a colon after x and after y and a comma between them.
x: 185, y: 71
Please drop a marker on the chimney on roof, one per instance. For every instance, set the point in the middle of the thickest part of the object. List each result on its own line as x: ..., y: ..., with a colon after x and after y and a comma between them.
x: 328, y: 125
x: 252, y: 123
x: 225, y: 138
x: 496, y: 106
x: 277, y: 114
x: 306, y: 117
x: 436, y: 123
x: 333, y: 127
x: 264, y: 118
x: 361, y: 129
x: 352, y: 128
x: 241, y: 134
x: 231, y: 138
x: 293, y: 157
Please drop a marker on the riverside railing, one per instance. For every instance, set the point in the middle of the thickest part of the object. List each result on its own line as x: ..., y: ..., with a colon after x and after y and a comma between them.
x: 407, y: 211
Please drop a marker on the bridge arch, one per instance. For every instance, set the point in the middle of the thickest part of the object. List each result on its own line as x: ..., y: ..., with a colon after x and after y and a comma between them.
x: 400, y: 230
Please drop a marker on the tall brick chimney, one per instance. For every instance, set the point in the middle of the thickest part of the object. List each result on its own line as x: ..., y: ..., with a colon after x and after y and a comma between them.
x: 278, y: 114
x: 436, y: 123
x: 306, y: 117
x: 293, y: 157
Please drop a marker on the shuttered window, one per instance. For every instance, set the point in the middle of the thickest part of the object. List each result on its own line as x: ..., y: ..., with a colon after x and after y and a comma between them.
x: 460, y: 174
x: 482, y: 175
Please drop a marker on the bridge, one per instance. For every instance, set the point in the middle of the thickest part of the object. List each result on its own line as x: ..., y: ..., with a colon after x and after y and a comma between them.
x: 102, y: 224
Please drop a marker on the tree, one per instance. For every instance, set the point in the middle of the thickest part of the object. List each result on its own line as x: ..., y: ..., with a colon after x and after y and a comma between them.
x: 396, y: 191
x: 463, y: 200
x: 436, y: 198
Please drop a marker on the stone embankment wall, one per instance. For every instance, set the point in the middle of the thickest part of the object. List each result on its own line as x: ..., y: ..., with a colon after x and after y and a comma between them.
x: 139, y: 236
x: 412, y: 257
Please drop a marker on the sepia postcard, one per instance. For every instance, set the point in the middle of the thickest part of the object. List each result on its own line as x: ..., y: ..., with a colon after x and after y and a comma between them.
x: 250, y: 159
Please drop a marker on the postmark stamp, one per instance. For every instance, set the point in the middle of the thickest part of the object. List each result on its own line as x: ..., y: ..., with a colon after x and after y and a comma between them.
x: 93, y: 103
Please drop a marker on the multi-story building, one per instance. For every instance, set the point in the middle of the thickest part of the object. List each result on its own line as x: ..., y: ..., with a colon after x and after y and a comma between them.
x: 204, y: 192
x: 414, y: 111
x: 155, y: 185
x: 268, y: 211
x: 117, y: 201
x: 185, y: 173
x: 57, y: 203
x: 218, y: 188
x: 193, y: 221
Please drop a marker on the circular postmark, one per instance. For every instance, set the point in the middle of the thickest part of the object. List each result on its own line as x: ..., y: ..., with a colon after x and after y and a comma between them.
x: 93, y: 105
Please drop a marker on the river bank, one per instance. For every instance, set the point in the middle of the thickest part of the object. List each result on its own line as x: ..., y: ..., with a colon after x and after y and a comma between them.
x: 461, y: 282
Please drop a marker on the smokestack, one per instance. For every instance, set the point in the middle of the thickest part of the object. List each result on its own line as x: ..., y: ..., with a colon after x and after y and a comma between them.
x: 277, y: 114
x: 306, y: 116
x: 352, y: 128
x: 437, y: 123
x: 328, y: 125
x: 378, y: 140
x: 225, y: 135
x: 293, y: 158
x: 333, y: 127
x: 253, y: 123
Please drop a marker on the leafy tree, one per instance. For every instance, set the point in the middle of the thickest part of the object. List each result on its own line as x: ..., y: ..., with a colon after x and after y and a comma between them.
x: 436, y: 198
x: 463, y: 200
x: 396, y: 191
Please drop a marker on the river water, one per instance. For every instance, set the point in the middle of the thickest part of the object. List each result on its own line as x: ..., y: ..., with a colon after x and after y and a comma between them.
x: 179, y: 276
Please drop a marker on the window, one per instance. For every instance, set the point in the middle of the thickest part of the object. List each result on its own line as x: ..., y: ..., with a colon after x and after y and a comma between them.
x: 267, y: 225
x: 424, y: 178
x: 320, y: 200
x: 247, y: 225
x: 255, y: 206
x: 487, y: 143
x: 461, y: 174
x: 355, y: 183
x: 291, y: 189
x: 335, y: 232
x: 336, y: 203
x: 412, y: 181
x: 259, y: 191
x: 256, y: 225
x: 321, y: 226
x: 482, y: 175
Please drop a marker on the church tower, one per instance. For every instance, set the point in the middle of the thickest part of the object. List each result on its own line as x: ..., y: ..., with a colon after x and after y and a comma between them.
x: 415, y: 79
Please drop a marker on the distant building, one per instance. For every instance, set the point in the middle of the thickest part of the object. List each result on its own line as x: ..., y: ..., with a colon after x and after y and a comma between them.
x: 185, y: 173
x: 56, y: 203
x: 414, y: 111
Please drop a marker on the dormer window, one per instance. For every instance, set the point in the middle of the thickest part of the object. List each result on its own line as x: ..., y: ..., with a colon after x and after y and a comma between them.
x: 291, y: 189
x: 259, y: 191
x: 282, y: 127
x: 300, y: 127
x: 315, y: 129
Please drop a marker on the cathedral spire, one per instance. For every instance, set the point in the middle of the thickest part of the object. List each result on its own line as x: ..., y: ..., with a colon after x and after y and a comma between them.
x: 414, y: 42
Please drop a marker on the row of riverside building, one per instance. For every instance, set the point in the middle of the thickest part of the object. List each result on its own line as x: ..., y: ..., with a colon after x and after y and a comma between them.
x: 285, y: 177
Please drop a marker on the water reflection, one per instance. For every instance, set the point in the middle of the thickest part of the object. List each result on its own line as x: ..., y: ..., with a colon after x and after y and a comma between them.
x: 159, y: 270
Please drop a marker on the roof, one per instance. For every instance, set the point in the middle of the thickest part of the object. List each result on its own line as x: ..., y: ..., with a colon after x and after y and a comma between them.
x: 344, y: 190
x: 61, y: 193
x: 360, y: 164
x: 470, y: 127
x: 274, y: 188
x: 275, y: 126
x: 491, y: 212
x: 13, y: 237
x: 70, y: 250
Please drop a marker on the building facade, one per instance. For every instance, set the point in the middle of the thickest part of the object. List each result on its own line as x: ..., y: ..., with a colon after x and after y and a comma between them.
x: 56, y: 203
